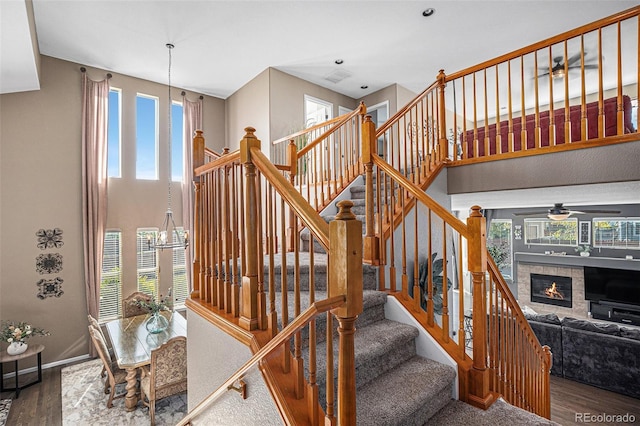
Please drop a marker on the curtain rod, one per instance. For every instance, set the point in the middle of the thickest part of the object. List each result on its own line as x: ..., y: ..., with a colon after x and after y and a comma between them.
x: 184, y: 93
x: 83, y: 70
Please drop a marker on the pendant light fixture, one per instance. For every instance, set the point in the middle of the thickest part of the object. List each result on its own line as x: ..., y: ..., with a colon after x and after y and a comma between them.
x: 168, y: 236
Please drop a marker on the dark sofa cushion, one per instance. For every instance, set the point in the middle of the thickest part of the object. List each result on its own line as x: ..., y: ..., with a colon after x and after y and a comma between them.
x: 603, y: 360
x: 551, y: 335
x: 579, y: 324
x: 545, y: 318
x: 630, y: 333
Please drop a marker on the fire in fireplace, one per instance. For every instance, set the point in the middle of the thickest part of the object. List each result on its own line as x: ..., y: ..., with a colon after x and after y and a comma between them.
x: 551, y: 289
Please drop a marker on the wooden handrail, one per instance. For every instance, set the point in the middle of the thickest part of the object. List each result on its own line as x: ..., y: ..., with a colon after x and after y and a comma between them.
x: 297, y: 324
x: 211, y: 153
x: 218, y: 162
x: 300, y: 206
x: 456, y: 223
x: 404, y: 109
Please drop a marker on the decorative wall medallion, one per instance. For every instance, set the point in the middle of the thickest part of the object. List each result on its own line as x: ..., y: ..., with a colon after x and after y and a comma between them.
x: 50, y: 263
x: 50, y: 288
x: 49, y: 238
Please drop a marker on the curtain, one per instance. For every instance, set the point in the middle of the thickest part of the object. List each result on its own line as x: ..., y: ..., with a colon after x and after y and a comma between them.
x: 95, y: 108
x: 192, y: 121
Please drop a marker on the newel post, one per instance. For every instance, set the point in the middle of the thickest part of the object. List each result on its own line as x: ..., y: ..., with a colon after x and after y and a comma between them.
x: 345, y: 277
x: 369, y: 147
x: 479, y: 393
x: 249, y: 296
x: 196, y: 238
x: 443, y: 143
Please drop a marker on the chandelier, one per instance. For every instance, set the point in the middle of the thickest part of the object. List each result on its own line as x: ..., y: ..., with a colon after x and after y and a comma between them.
x: 168, y: 237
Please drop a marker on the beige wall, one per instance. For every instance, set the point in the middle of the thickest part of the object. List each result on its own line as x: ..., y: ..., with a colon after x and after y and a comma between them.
x: 40, y: 187
x: 249, y: 107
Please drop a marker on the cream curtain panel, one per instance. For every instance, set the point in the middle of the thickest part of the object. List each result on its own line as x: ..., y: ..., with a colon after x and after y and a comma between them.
x: 192, y: 121
x: 95, y: 108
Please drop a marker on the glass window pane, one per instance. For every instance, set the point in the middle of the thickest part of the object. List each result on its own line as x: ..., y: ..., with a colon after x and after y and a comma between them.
x: 499, y: 245
x: 177, y: 142
x: 623, y: 233
x: 113, y: 135
x: 147, y: 261
x: 551, y: 232
x: 111, y: 277
x: 180, y: 285
x: 146, y: 137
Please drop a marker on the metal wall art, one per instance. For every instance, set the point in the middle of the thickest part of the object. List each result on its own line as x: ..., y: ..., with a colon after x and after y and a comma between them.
x: 50, y: 288
x: 49, y: 238
x: 50, y: 263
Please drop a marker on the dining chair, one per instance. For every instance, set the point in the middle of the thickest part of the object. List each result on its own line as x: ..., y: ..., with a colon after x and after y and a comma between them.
x: 115, y: 375
x: 167, y: 374
x: 95, y: 324
x: 130, y: 307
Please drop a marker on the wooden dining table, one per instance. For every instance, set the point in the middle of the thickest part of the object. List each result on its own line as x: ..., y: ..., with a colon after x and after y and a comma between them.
x: 132, y: 346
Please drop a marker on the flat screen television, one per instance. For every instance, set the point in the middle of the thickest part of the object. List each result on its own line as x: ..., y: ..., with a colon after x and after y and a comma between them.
x: 613, y: 285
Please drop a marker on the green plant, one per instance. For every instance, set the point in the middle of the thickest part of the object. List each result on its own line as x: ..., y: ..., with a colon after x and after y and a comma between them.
x: 437, y: 280
x: 586, y: 249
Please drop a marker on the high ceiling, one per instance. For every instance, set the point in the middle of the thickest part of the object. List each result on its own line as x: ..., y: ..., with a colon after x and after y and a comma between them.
x: 221, y: 45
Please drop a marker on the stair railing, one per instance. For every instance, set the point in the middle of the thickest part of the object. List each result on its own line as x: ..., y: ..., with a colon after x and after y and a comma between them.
x: 243, y: 208
x: 554, y: 95
x: 322, y: 159
x: 436, y: 266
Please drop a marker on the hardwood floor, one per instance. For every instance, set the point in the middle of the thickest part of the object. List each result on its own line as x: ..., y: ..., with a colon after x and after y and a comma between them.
x: 41, y: 404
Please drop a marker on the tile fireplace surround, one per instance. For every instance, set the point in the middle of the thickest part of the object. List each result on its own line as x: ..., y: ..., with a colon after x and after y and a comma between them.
x: 568, y: 266
x: 580, y: 307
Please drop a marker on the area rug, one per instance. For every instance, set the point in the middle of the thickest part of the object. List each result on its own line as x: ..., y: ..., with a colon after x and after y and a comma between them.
x: 5, y: 405
x: 85, y: 403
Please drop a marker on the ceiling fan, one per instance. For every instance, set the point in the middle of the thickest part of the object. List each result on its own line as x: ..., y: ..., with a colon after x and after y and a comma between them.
x: 558, y: 70
x: 559, y: 212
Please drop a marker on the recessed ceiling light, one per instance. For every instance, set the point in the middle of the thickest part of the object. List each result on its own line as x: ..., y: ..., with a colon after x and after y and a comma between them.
x: 339, y: 61
x: 364, y: 86
x: 428, y: 12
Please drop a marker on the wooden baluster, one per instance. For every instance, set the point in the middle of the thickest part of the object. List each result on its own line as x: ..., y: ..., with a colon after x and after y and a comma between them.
x: 235, y: 287
x: 261, y: 296
x: 249, y: 317
x: 620, y: 117
x: 498, y: 132
x: 417, y: 296
x: 284, y: 285
x: 536, y: 100
x: 312, y: 387
x: 552, y: 119
x: 219, y: 241
x: 292, y: 161
x: 272, y: 317
x: 369, y: 147
x: 198, y: 144
x: 465, y: 145
x: 330, y: 418
x: 601, y: 87
x: 345, y: 278
x: 584, y: 127
x: 445, y: 292
x: 523, y: 119
x: 475, y: 120
x: 403, y: 236
x: 567, y: 108
x: 487, y: 140
x: 479, y: 394
x: 430, y: 311
x: 228, y: 235
x: 298, y: 363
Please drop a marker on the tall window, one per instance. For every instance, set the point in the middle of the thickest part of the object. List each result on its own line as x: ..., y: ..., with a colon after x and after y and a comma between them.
x: 499, y: 245
x: 147, y: 261
x: 114, y: 134
x: 111, y: 277
x: 551, y: 232
x: 177, y: 142
x: 180, y: 286
x: 146, y: 137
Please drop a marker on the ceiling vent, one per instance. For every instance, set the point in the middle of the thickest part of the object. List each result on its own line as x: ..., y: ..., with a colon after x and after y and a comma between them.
x: 337, y: 76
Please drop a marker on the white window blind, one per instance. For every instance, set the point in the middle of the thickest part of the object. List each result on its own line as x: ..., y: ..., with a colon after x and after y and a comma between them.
x: 147, y: 263
x: 180, y: 285
x: 111, y: 277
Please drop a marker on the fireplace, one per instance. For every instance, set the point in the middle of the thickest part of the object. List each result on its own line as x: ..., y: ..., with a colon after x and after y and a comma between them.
x: 551, y: 289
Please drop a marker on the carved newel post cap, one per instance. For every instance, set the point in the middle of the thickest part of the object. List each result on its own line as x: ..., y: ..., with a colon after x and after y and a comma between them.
x: 250, y: 133
x: 475, y: 211
x: 225, y: 150
x: 345, y: 212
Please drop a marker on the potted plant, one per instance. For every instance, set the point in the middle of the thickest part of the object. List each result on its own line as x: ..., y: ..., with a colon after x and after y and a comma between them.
x: 583, y: 250
x: 16, y: 334
x: 156, y: 323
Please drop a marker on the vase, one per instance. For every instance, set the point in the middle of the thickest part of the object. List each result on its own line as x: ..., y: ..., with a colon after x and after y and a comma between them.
x: 156, y: 323
x: 584, y: 253
x: 16, y: 348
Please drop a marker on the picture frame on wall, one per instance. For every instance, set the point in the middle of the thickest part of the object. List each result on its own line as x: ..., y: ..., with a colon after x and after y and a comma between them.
x: 584, y: 234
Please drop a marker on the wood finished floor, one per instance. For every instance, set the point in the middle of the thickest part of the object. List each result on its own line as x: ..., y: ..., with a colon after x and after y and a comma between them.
x: 41, y: 404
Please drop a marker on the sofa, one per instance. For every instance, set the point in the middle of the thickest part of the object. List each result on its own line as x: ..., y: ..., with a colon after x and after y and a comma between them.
x: 604, y: 355
x: 610, y: 115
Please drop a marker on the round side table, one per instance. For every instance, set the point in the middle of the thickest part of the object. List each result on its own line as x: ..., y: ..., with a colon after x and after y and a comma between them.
x: 5, y: 357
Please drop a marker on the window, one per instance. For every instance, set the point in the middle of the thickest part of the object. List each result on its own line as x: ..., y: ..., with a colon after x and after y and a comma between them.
x: 147, y: 261
x: 111, y: 277
x: 551, y: 232
x: 177, y: 142
x: 146, y: 137
x: 616, y: 232
x: 499, y: 245
x: 180, y: 285
x: 316, y: 111
x: 114, y: 134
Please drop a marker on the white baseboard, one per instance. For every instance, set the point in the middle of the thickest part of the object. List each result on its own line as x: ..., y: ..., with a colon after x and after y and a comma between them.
x: 45, y: 366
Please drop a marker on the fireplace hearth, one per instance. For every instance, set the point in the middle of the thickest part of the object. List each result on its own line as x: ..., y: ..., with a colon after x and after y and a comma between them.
x: 551, y: 289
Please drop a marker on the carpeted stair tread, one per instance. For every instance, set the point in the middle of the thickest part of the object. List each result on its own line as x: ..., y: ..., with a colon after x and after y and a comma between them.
x: 500, y: 413
x: 406, y: 395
